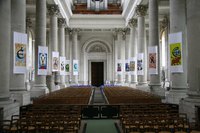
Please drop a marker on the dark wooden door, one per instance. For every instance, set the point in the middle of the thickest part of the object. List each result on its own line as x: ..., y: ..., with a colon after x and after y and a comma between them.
x: 97, y: 73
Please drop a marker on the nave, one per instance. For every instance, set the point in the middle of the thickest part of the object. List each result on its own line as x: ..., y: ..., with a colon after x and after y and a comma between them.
x: 107, y: 109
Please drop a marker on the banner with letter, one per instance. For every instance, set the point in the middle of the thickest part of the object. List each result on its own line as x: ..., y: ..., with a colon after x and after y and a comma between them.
x: 20, y: 52
x: 119, y: 67
x: 55, y: 61
x: 75, y: 67
x: 140, y: 64
x: 133, y: 66
x: 62, y: 65
x: 153, y: 59
x: 67, y: 67
x: 42, y: 60
x: 127, y: 66
x: 175, y: 46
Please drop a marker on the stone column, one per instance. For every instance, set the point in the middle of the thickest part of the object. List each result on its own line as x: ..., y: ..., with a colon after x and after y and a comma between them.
x: 141, y: 46
x: 155, y: 83
x: 75, y: 49
x: 133, y: 46
x: 127, y: 55
x: 115, y: 54
x: 67, y: 52
x: 53, y: 12
x: 9, y: 108
x: 193, y: 30
x: 61, y: 43
x: 178, y: 24
x: 121, y: 53
x: 40, y: 87
x: 18, y: 24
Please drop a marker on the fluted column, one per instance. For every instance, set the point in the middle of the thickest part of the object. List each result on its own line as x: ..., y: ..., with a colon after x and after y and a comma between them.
x: 53, y: 12
x: 115, y: 54
x: 75, y: 49
x: 40, y: 86
x: 67, y: 52
x: 193, y: 30
x: 141, y: 46
x: 5, y: 33
x: 133, y: 46
x: 178, y: 24
x: 155, y: 83
x: 61, y: 43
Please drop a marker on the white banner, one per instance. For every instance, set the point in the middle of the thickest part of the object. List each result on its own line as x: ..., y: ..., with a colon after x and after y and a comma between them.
x: 127, y: 66
x: 119, y: 67
x: 20, y: 52
x: 175, y: 48
x: 62, y: 65
x: 75, y: 67
x: 133, y: 66
x: 67, y: 67
x: 140, y: 64
x: 55, y: 61
x: 42, y: 60
x: 153, y: 59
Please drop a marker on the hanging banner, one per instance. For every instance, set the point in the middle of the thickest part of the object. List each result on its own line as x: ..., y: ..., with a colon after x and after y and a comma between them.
x: 42, y: 60
x: 75, y: 67
x: 119, y: 67
x: 55, y: 61
x: 67, y: 67
x: 62, y: 65
x: 133, y: 66
x: 20, y: 51
x: 153, y: 59
x: 175, y: 44
x: 127, y: 66
x: 140, y: 64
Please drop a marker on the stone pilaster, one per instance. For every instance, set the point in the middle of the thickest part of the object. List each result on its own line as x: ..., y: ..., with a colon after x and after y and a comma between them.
x: 141, y: 46
x: 61, y: 43
x: 155, y: 82
x: 133, y: 46
x: 178, y: 24
x: 53, y: 11
x: 187, y: 105
x: 39, y: 88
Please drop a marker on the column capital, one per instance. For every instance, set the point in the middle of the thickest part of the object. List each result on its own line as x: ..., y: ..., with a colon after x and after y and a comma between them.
x: 29, y: 23
x: 68, y: 30
x: 53, y: 9
x: 61, y: 22
x: 121, y: 31
x: 75, y: 30
x: 132, y: 23
x: 141, y: 10
x: 164, y: 23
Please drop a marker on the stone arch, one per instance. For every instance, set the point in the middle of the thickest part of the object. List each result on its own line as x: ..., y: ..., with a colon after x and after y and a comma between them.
x: 92, y: 43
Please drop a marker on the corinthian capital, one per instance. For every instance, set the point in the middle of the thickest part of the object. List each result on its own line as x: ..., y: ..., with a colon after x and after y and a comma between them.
x: 132, y: 22
x: 164, y: 23
x: 75, y: 30
x: 61, y: 22
x: 141, y: 10
x: 53, y: 9
x: 29, y: 23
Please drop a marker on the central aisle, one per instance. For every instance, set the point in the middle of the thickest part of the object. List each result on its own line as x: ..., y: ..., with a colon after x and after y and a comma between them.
x: 101, y: 126
x: 98, y: 97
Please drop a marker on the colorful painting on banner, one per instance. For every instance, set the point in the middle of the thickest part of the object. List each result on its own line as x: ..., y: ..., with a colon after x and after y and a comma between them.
x: 55, y: 61
x: 42, y: 60
x: 132, y: 66
x: 20, y: 52
x: 175, y: 49
x: 119, y: 67
x: 67, y: 67
x: 75, y: 67
x: 62, y: 65
x: 20, y: 55
x: 175, y: 54
x: 153, y: 60
x: 140, y: 62
x: 127, y: 66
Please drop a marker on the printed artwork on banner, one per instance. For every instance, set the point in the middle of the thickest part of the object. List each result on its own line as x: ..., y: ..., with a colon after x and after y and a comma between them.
x: 152, y: 60
x: 62, y: 65
x: 55, y: 63
x: 139, y: 64
x: 175, y: 54
x: 75, y: 67
x: 20, y: 55
x: 42, y: 60
x: 119, y: 67
x: 67, y: 66
x: 127, y: 67
x: 132, y: 66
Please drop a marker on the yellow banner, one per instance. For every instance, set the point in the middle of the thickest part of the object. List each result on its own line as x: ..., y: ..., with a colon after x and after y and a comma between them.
x: 175, y: 54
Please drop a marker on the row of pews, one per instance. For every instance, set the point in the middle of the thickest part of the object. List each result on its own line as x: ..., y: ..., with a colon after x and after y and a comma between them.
x: 127, y: 95
x: 69, y: 95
